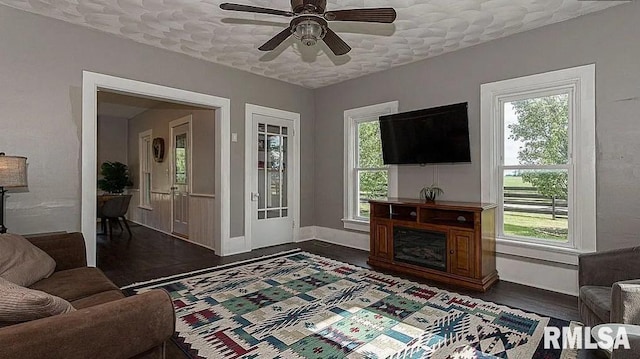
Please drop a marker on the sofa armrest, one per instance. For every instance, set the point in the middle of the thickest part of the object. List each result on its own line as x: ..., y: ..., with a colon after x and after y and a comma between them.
x: 625, y: 302
x: 119, y: 329
x: 67, y: 249
x: 606, y: 268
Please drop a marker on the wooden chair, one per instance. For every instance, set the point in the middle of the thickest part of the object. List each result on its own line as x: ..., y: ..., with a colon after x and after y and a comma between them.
x: 114, y: 209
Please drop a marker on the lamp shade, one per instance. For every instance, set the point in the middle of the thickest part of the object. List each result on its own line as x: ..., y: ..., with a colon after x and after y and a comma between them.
x: 13, y: 171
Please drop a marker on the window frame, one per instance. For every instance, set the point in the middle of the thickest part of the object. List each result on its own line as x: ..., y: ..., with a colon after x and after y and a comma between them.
x: 352, y: 118
x: 145, y: 147
x: 579, y: 83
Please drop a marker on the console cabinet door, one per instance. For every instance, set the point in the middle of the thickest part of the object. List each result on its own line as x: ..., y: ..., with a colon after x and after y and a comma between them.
x: 461, y: 252
x: 382, y: 241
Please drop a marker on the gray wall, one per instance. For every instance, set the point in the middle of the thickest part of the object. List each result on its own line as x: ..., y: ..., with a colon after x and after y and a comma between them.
x: 609, y: 39
x: 41, y: 73
x: 203, y: 132
x: 112, y: 140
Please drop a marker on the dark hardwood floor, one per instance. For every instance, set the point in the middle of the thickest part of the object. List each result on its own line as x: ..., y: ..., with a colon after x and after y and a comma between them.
x: 150, y: 255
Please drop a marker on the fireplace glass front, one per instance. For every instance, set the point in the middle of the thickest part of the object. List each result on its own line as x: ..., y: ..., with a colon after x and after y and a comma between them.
x: 420, y: 247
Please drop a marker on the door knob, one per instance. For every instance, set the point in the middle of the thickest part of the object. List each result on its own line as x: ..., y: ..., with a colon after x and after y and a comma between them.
x: 255, y: 196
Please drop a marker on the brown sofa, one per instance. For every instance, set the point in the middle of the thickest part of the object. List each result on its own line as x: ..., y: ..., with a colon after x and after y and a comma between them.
x: 106, y: 324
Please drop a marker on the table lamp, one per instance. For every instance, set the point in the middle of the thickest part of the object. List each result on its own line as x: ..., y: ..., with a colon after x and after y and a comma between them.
x: 13, y: 173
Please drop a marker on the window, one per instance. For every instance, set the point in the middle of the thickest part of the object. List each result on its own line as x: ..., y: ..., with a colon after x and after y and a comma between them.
x: 538, y: 162
x: 146, y: 162
x: 366, y: 177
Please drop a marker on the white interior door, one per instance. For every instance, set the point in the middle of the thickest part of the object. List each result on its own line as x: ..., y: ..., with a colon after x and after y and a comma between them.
x: 272, y: 215
x: 180, y: 175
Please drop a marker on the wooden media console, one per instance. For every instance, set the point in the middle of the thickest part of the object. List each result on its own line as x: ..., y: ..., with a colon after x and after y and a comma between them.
x: 449, y: 242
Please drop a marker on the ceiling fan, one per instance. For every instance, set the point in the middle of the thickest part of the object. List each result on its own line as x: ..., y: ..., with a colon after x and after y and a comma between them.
x: 310, y: 22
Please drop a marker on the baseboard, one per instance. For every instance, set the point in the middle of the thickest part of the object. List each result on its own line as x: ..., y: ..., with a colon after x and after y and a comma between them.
x: 545, y: 275
x: 357, y: 240
x: 552, y: 276
x: 235, y: 245
x: 306, y: 233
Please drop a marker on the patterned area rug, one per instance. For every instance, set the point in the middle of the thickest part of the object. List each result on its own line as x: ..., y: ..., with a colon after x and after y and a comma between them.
x: 300, y: 305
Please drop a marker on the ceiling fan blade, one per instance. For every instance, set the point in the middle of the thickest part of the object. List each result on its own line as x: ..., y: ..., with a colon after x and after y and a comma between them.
x: 276, y: 40
x: 255, y: 9
x: 384, y: 15
x: 235, y: 21
x: 335, y: 43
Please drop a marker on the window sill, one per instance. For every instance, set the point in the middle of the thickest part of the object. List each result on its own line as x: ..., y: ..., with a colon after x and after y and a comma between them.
x: 356, y: 225
x: 147, y: 208
x: 539, y: 251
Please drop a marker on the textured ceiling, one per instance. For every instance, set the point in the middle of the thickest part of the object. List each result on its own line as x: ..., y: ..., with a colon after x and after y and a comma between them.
x: 199, y: 28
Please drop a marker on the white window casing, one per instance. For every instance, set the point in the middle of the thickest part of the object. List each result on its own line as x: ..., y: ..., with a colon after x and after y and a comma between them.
x: 579, y: 84
x: 352, y: 118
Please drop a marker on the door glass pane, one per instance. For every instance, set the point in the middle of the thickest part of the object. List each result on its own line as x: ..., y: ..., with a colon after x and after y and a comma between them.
x: 273, y: 129
x: 371, y: 185
x: 536, y: 131
x: 262, y: 173
x: 272, y: 171
x: 284, y: 170
x: 535, y: 204
x: 369, y: 145
x: 181, y: 159
x: 274, y: 153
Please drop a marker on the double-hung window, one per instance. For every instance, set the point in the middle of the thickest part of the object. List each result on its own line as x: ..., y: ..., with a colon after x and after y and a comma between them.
x: 146, y: 162
x: 366, y: 176
x: 538, y: 162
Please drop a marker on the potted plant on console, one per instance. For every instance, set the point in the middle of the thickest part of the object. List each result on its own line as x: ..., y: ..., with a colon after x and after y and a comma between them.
x: 115, y: 177
x: 429, y: 194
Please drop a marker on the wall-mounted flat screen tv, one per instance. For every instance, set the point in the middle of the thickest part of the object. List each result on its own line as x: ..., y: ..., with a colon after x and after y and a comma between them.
x: 435, y: 135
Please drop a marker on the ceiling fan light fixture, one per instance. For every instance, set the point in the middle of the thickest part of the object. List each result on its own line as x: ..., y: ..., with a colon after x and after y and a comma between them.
x: 309, y: 32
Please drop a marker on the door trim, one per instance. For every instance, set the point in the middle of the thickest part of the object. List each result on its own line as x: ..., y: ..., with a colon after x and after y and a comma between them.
x: 251, y: 110
x: 188, y: 119
x: 91, y: 83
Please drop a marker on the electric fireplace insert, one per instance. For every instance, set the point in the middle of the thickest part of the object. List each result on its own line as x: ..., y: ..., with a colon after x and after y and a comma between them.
x: 420, y: 247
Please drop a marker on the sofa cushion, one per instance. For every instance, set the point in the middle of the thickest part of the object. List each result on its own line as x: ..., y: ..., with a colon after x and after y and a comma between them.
x: 21, y: 262
x: 98, y: 298
x: 20, y: 304
x: 77, y: 283
x: 598, y: 299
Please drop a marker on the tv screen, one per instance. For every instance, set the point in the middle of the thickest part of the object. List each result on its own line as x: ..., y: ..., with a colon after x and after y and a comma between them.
x: 435, y: 135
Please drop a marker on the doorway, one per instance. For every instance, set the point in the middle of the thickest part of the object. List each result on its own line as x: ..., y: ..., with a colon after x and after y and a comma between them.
x: 92, y: 83
x: 272, y: 183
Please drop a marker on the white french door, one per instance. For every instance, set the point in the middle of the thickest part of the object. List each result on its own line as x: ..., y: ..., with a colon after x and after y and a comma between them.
x: 273, y: 198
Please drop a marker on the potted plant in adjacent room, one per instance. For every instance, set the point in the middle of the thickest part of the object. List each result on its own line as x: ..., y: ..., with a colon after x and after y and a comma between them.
x: 115, y: 177
x: 430, y: 193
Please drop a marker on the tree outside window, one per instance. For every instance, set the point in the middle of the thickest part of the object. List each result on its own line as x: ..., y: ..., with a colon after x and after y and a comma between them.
x: 372, y: 174
x: 536, y: 159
